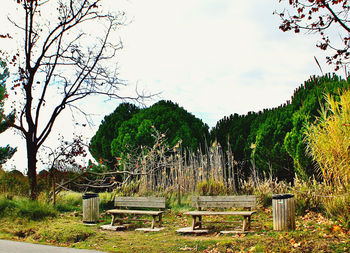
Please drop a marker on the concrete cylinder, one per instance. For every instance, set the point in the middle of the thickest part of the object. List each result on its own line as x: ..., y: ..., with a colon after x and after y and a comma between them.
x: 90, y: 208
x: 283, y: 208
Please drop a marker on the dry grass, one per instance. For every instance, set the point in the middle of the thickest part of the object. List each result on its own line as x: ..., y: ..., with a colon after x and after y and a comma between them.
x: 328, y: 142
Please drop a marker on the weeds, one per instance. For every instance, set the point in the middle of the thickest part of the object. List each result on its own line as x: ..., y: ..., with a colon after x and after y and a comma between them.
x: 212, y: 188
x: 68, y: 201
x: 22, y: 207
x: 34, y: 210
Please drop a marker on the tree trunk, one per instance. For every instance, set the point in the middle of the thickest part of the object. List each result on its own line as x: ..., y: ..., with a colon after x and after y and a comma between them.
x: 31, y: 160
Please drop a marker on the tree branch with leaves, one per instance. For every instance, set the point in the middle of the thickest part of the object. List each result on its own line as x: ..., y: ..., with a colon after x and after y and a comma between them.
x: 328, y: 18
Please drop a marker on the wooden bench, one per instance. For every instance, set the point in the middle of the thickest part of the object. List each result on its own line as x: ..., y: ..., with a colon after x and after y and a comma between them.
x: 129, y: 204
x: 246, y: 202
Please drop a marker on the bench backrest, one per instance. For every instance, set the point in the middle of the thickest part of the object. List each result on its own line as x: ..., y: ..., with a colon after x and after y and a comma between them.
x: 140, y: 202
x: 243, y: 201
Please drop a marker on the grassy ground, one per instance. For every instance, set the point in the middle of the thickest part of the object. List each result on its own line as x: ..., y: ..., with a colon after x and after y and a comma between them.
x: 314, y: 233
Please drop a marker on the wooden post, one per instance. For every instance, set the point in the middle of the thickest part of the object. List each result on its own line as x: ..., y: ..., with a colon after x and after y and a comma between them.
x: 54, y: 187
x: 283, y: 207
x: 178, y: 184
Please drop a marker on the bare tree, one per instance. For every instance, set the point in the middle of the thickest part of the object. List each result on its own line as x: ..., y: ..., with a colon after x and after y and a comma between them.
x: 329, y: 18
x: 65, y: 56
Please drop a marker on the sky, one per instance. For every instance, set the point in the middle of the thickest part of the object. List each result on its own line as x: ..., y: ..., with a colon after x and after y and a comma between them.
x: 216, y: 58
x: 212, y: 57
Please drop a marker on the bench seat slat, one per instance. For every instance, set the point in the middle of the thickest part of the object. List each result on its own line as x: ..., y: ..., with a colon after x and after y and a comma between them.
x: 121, y: 211
x: 207, y: 213
x: 224, y: 204
x: 146, y: 202
x: 224, y: 201
x: 227, y: 198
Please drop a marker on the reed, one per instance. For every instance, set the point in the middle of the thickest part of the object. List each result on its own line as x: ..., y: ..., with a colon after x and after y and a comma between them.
x: 328, y: 142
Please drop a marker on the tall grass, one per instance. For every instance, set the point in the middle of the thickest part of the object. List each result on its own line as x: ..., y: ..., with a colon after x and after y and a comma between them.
x: 25, y: 208
x: 328, y: 142
x: 13, y: 183
x: 68, y: 201
x: 161, y: 168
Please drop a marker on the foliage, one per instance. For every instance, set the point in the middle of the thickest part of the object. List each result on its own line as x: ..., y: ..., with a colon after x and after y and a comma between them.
x: 338, y: 206
x: 168, y: 118
x: 129, y: 189
x: 211, y: 188
x: 273, y: 139
x: 176, y: 205
x: 68, y: 201
x: 5, y: 205
x: 306, y: 193
x: 100, y: 145
x: 5, y: 152
x: 22, y: 207
x: 13, y: 183
x: 34, y: 210
x: 270, y: 154
x: 328, y: 141
x: 263, y: 188
x: 322, y: 17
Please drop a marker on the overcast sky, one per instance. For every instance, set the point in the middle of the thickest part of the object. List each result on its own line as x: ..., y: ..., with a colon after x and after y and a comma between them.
x: 215, y: 57
x: 212, y: 57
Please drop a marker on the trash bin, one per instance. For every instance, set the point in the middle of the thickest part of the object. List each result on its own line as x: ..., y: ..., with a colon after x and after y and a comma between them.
x: 283, y: 209
x: 90, y: 208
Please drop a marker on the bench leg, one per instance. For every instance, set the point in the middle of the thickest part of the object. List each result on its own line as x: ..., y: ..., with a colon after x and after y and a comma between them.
x: 153, y: 221
x: 194, y: 222
x: 200, y: 221
x: 113, y: 219
x: 246, y: 223
x: 160, y: 220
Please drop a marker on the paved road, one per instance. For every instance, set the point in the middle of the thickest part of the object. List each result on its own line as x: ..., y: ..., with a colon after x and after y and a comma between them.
x: 23, y: 247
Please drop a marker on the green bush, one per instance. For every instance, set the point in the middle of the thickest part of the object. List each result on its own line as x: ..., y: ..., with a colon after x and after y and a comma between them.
x: 213, y: 188
x: 172, y: 200
x: 13, y: 183
x: 69, y: 201
x: 34, y: 210
x: 6, y: 205
x: 106, y: 200
x: 72, y: 201
x: 22, y: 207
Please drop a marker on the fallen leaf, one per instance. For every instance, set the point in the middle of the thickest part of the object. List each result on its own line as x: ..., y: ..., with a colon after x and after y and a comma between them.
x: 292, y: 241
x: 336, y: 228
